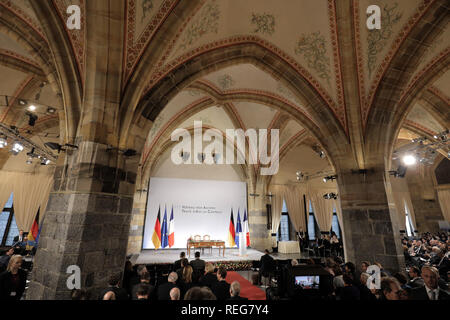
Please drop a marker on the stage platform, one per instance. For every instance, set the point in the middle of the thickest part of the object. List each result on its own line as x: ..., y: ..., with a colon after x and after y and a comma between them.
x: 169, y: 256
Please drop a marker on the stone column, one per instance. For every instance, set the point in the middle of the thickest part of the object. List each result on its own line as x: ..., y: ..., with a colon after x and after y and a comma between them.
x: 86, y: 223
x: 260, y: 236
x: 370, y: 226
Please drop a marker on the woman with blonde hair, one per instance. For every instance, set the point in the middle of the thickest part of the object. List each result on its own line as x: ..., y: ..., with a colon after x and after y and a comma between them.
x: 13, y: 280
x: 209, y: 278
x: 186, y: 280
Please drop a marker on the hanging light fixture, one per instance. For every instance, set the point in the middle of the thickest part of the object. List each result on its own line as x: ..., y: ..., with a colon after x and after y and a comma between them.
x: 3, y: 142
x: 16, y: 148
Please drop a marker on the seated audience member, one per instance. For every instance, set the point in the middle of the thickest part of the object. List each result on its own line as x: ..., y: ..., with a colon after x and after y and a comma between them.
x: 163, y: 292
x: 390, y: 288
x: 177, y: 264
x: 79, y: 294
x: 221, y: 288
x: 128, y: 275
x: 209, y: 278
x: 349, y: 291
x: 110, y: 295
x: 350, y: 269
x: 113, y: 286
x: 186, y: 280
x: 235, y: 290
x: 174, y: 294
x: 294, y: 262
x: 145, y: 279
x: 4, y: 260
x: 13, y: 280
x: 199, y: 293
x: 365, y: 293
x: 338, y: 280
x: 430, y: 290
x: 416, y: 280
x: 142, y: 292
x: 402, y: 278
x: 136, y: 277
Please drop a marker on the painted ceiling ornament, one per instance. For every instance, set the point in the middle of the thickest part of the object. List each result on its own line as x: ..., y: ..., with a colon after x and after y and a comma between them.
x: 314, y: 51
x: 264, y: 23
x: 225, y: 82
x: 207, y: 22
x: 147, y: 6
x: 378, y: 38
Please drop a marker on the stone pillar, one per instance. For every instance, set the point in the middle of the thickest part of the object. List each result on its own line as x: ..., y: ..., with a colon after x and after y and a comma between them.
x: 260, y: 236
x: 86, y: 223
x: 427, y: 209
x: 370, y: 227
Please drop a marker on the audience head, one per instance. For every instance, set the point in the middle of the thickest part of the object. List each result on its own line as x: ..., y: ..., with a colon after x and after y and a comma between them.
x: 349, y: 267
x: 10, y: 251
x: 348, y: 279
x: 14, y: 263
x: 235, y: 289
x: 173, y: 277
x: 21, y: 232
x: 209, y: 267
x: 184, y: 262
x: 142, y: 291
x: 128, y: 265
x: 187, y: 274
x: 266, y: 251
x: 114, y: 280
x: 390, y: 288
x: 221, y: 273
x: 430, y: 276
x: 110, y: 295
x: 414, y: 272
x: 199, y: 293
x: 141, y: 269
x: 294, y: 262
x: 197, y: 254
x: 182, y: 255
x: 79, y: 294
x: 401, y: 277
x: 174, y: 294
x: 364, y: 266
x: 363, y: 278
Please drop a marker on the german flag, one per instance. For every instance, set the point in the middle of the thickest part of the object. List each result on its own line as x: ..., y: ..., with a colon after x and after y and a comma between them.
x: 156, y: 238
x: 231, y: 233
x: 33, y: 234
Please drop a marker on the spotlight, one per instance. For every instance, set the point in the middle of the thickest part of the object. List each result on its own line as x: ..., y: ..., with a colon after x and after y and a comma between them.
x: 51, y: 110
x: 16, y: 148
x: 409, y: 160
x: 32, y: 107
x: 329, y: 196
x: 45, y: 162
x: 3, y: 142
x: 30, y: 160
x: 322, y: 154
x: 23, y: 102
x: 300, y: 175
x: 326, y: 179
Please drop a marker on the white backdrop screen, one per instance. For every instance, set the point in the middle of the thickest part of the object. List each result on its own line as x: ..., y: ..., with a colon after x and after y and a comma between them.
x: 200, y: 207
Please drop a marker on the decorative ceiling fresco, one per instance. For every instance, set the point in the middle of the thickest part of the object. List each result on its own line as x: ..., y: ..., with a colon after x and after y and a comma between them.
x: 419, y: 118
x: 23, y: 9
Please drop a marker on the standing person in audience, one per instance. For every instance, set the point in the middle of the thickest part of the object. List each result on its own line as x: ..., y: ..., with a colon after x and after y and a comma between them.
x: 128, y: 275
x: 349, y: 291
x: 221, y: 289
x: 4, y: 260
x: 209, y: 278
x: 431, y: 290
x: 13, y: 280
x: 145, y: 279
x: 390, y: 288
x: 267, y: 265
x: 174, y: 294
x: 184, y: 263
x: 235, y: 290
x: 142, y: 292
x: 177, y: 264
x: 198, y: 266
x: 136, y: 277
x: 114, y: 286
x: 364, y: 291
x: 163, y: 292
x: 364, y: 266
x: 186, y: 280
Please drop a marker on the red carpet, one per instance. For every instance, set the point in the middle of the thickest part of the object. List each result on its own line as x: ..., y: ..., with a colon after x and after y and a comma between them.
x: 248, y: 290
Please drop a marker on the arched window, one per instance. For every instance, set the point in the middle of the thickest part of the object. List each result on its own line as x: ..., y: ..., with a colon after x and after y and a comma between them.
x: 312, y: 224
x: 408, y: 223
x: 8, y: 226
x: 335, y: 224
x: 284, y: 229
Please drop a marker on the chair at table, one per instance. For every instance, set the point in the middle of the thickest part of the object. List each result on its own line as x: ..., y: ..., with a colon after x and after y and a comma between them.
x: 207, y: 237
x: 197, y: 237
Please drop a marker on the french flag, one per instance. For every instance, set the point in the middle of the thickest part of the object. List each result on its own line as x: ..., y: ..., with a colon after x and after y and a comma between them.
x: 245, y: 229
x: 171, y: 230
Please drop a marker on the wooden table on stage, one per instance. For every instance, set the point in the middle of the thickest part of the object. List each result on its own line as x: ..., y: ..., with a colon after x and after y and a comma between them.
x: 205, y: 244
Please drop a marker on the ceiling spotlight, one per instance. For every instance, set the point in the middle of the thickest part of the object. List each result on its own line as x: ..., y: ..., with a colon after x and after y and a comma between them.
x: 326, y: 179
x: 3, y: 142
x: 409, y: 160
x: 51, y: 110
x: 30, y: 160
x: 16, y: 148
x: 45, y: 162
x: 23, y: 102
x: 322, y: 154
x: 329, y: 196
x: 32, y: 107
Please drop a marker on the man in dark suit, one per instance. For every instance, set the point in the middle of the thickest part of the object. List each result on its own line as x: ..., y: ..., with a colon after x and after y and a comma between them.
x: 145, y: 280
x: 416, y: 280
x: 198, y: 264
x: 431, y: 290
x: 177, y: 264
x: 120, y: 293
x: 235, y: 290
x: 221, y: 289
x: 163, y: 292
x: 20, y: 237
x: 267, y: 265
